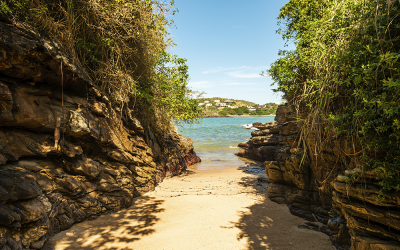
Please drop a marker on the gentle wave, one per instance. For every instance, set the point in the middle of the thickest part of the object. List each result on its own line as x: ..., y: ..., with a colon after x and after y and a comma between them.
x: 233, y: 147
x: 220, y: 134
x: 248, y: 126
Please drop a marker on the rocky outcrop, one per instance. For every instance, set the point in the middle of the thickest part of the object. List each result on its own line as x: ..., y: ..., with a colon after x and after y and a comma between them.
x: 374, y: 223
x: 317, y: 186
x: 66, y: 153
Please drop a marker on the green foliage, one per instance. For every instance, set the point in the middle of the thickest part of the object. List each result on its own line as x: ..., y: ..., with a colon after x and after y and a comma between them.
x: 241, y: 103
x: 226, y: 112
x: 4, y: 8
x: 174, y: 98
x: 345, y: 71
x: 209, y: 111
x: 261, y: 112
x: 238, y: 103
x: 122, y: 44
x: 242, y: 110
x: 272, y: 105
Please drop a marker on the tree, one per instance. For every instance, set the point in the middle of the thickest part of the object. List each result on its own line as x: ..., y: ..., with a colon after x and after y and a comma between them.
x: 241, y: 110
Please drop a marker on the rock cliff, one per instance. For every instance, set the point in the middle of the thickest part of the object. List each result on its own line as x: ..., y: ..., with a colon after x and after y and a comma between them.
x: 322, y: 188
x: 66, y: 153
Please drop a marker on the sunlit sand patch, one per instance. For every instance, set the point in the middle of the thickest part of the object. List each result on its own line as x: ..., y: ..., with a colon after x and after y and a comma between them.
x: 217, y: 209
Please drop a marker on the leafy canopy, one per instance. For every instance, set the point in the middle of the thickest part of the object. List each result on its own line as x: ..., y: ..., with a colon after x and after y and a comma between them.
x: 345, y: 71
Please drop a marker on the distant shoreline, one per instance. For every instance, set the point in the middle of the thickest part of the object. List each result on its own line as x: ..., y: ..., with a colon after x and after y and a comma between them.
x: 231, y: 116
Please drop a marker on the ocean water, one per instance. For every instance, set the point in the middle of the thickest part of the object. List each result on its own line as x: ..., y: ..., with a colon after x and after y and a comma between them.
x: 215, y: 140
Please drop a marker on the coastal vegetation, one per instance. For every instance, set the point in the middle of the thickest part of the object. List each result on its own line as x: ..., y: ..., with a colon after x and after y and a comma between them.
x: 123, y: 46
x: 344, y: 73
x: 239, y: 103
x: 218, y: 106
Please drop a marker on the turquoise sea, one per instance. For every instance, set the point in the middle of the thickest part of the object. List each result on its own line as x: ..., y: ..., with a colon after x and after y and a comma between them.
x: 215, y: 140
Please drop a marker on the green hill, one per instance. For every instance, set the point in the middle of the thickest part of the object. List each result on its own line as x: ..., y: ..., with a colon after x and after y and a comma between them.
x: 218, y: 106
x: 238, y: 103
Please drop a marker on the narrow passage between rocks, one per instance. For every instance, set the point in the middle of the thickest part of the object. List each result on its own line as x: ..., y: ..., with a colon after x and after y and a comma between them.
x: 216, y: 209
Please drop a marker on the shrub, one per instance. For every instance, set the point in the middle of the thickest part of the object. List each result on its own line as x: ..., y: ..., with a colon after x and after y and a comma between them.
x: 122, y: 44
x: 345, y: 72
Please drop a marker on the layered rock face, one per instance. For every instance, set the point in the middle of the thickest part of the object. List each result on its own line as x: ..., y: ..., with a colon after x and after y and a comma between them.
x: 315, y: 186
x: 65, y: 153
x: 373, y: 223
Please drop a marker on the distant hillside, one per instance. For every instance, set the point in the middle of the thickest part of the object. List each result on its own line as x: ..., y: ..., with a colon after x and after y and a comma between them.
x: 238, y: 103
x: 218, y: 106
x: 241, y: 103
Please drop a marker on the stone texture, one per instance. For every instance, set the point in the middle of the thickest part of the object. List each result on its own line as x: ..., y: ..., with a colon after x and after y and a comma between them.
x: 274, y: 130
x: 261, y: 153
x: 267, y: 125
x: 264, y: 140
x: 373, y: 223
x: 294, y: 178
x: 101, y: 162
x: 315, y: 186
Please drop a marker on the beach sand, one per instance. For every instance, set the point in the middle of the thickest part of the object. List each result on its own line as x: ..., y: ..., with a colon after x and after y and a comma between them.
x: 215, y: 209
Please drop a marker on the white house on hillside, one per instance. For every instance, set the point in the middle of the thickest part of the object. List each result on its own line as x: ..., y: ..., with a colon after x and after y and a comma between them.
x: 252, y: 109
x: 208, y: 105
x: 206, y: 101
x: 216, y: 100
x: 262, y: 107
x: 221, y: 104
x: 201, y: 104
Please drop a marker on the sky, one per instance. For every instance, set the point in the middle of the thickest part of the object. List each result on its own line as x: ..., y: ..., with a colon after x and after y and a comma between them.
x: 227, y: 44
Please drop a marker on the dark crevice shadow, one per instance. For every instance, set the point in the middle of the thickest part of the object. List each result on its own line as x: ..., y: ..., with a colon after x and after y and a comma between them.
x: 187, y: 172
x: 113, y: 231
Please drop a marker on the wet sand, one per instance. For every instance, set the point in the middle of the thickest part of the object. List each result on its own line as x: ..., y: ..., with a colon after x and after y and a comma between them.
x: 215, y: 209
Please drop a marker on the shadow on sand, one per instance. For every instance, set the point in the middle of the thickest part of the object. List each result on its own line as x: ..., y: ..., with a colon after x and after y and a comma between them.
x: 256, y: 223
x: 114, y: 231
x: 268, y: 225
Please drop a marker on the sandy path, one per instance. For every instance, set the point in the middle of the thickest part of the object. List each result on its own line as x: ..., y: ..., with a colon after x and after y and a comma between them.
x: 219, y: 209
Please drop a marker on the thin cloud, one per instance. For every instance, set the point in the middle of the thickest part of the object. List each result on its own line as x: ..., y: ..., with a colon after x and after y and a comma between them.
x: 239, y: 74
x: 200, y: 84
